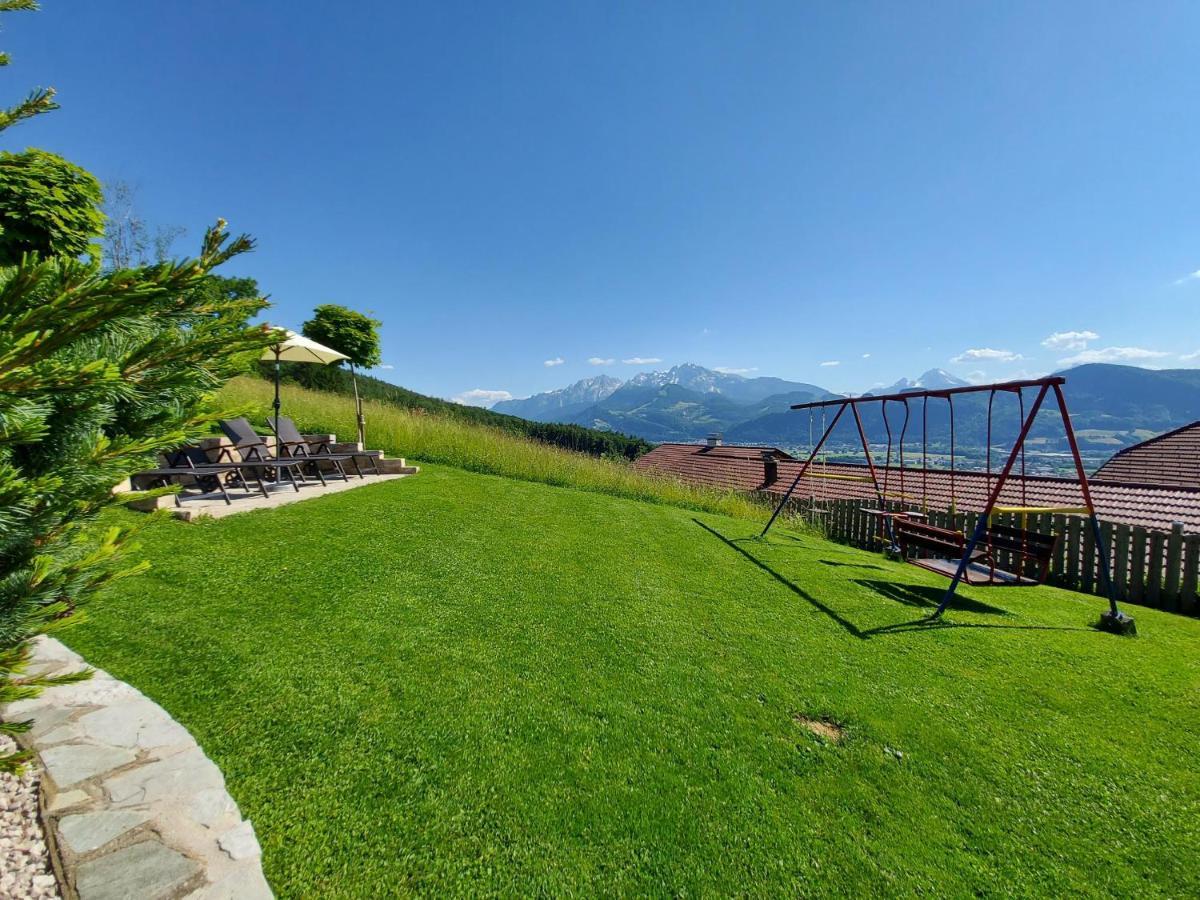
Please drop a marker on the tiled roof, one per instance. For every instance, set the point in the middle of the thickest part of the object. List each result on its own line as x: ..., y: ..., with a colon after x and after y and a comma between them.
x: 1169, y: 459
x: 741, y: 468
x: 729, y: 467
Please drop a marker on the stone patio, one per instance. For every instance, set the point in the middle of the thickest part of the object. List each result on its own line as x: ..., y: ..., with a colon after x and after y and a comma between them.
x: 214, y: 506
x: 193, y: 506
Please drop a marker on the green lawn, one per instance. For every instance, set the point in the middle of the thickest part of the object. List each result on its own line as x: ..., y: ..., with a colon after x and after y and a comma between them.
x: 464, y: 684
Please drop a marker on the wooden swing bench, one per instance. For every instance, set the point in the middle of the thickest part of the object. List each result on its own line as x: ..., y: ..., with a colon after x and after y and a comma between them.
x: 946, y: 548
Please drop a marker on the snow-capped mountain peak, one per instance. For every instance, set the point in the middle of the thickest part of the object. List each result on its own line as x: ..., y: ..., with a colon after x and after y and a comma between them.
x: 562, y: 402
x: 689, y: 375
x: 933, y: 380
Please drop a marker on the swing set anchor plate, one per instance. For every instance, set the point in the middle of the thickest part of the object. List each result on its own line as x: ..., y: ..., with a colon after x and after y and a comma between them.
x: 1117, y: 623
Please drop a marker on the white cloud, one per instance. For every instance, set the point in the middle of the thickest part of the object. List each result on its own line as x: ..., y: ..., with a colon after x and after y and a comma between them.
x: 976, y: 377
x: 730, y: 370
x: 551, y: 363
x: 385, y: 366
x: 866, y: 356
x: 599, y: 361
x: 1111, y: 354
x: 988, y: 354
x: 1187, y: 357
x: 641, y: 360
x: 1070, y: 340
x: 831, y: 362
x: 480, y: 397
x: 1191, y: 276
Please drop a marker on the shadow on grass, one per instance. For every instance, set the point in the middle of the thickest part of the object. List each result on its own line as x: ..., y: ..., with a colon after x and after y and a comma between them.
x: 791, y: 586
x: 842, y: 565
x: 923, y: 595
x: 924, y: 624
x: 775, y: 535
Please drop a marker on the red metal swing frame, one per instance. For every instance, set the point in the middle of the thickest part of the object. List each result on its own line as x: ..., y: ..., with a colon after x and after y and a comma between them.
x: 970, y: 557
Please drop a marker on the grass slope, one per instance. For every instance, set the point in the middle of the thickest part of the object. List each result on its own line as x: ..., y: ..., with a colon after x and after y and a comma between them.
x: 334, y: 379
x: 430, y: 437
x: 463, y: 684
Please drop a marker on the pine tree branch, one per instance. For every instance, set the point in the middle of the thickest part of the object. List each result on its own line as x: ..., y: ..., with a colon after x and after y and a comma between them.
x: 38, y: 102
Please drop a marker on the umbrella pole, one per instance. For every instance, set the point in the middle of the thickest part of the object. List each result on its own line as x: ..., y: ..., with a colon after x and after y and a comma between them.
x: 276, y: 404
x: 362, y: 421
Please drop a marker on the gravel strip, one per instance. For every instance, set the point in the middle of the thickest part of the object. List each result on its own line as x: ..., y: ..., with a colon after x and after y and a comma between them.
x: 24, y: 862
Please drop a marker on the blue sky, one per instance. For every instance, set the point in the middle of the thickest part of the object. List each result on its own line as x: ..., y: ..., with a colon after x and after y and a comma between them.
x: 753, y: 186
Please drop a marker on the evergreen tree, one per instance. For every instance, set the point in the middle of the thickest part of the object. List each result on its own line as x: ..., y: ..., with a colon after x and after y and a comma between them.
x: 99, y: 372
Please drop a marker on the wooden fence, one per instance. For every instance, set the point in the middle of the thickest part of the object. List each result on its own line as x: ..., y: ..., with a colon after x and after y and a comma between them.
x: 1150, y: 568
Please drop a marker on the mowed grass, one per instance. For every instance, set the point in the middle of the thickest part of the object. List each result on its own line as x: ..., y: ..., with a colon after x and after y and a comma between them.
x: 430, y: 437
x: 460, y: 684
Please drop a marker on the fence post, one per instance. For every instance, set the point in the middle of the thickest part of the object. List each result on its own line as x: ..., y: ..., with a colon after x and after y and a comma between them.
x: 1106, y: 533
x: 1058, y: 563
x: 1121, y: 563
x: 1073, y: 529
x: 1154, y: 570
x: 1137, y: 565
x: 1191, y: 574
x: 1044, y: 525
x: 1087, y: 561
x: 1174, y: 564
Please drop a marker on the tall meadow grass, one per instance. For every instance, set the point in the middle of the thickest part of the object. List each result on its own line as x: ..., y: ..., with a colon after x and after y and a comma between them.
x: 436, y: 438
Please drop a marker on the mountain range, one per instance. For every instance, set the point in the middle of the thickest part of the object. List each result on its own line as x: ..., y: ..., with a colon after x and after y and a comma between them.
x: 1111, y: 406
x: 562, y: 404
x: 683, y: 403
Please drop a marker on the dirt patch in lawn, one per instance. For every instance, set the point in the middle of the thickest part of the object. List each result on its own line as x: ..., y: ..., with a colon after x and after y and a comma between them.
x: 822, y: 728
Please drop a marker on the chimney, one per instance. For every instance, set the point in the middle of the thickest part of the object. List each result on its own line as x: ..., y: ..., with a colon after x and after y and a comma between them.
x: 714, y: 439
x: 770, y: 467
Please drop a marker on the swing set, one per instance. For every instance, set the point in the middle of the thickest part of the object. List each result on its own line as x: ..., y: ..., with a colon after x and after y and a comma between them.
x: 947, y: 551
x: 820, y: 474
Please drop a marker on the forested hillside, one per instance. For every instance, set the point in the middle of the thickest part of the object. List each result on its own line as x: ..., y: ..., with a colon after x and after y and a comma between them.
x: 570, y: 437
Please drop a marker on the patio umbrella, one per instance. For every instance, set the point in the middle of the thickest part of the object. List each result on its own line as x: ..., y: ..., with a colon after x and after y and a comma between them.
x: 297, y: 348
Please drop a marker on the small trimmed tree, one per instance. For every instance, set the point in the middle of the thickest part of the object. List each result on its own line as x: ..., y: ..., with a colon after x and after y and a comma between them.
x: 47, y: 206
x: 346, y: 331
x: 352, y: 333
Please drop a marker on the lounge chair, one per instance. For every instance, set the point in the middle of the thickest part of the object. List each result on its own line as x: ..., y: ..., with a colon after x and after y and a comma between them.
x: 251, y: 447
x: 295, y: 445
x: 193, y: 462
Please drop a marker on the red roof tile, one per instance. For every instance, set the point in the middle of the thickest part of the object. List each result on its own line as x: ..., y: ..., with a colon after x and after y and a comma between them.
x: 741, y: 468
x: 1169, y: 459
x: 729, y: 467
